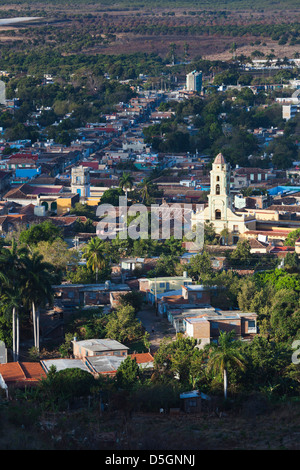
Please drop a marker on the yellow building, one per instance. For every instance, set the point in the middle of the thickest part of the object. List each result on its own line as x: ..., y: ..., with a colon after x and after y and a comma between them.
x: 65, y: 202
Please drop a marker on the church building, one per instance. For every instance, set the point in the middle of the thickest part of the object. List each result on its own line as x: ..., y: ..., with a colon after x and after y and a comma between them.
x: 220, y: 210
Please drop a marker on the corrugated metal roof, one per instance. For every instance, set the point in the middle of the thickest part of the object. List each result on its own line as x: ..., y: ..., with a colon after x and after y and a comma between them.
x: 106, y: 344
x: 62, y: 364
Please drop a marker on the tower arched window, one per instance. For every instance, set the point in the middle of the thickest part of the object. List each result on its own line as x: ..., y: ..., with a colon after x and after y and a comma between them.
x: 217, y: 189
x: 218, y: 178
x: 217, y: 214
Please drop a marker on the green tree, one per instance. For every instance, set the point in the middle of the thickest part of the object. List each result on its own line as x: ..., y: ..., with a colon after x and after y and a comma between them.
x: 223, y: 355
x: 57, y: 254
x: 145, y: 189
x: 200, y: 267
x: 285, y: 315
x: 177, y: 360
x: 12, y: 262
x: 291, y: 262
x: 45, y: 231
x: 94, y: 254
x: 266, y: 362
x: 210, y: 236
x: 133, y: 298
x: 83, y: 210
x: 60, y: 388
x: 38, y: 290
x: 241, y: 256
x: 111, y: 196
x: 292, y: 237
x: 128, y: 374
x: 126, y: 182
x: 166, y: 265
x: 123, y: 326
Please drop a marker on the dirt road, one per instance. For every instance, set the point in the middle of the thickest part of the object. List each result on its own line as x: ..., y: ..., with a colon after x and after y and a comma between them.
x: 162, y: 328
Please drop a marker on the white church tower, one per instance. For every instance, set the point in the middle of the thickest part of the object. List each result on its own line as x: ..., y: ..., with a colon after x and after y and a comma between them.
x: 219, y: 199
x: 220, y: 211
x: 80, y: 181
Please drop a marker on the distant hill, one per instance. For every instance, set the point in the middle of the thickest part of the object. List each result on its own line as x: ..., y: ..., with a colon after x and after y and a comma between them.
x: 111, y: 5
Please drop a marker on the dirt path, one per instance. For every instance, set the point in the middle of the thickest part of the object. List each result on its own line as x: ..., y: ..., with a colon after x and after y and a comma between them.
x: 162, y: 328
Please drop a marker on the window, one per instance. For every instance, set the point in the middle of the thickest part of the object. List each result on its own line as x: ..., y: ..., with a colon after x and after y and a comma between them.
x: 251, y: 324
x: 192, y: 403
x: 217, y: 189
x: 199, y: 295
x: 218, y: 214
x: 161, y: 284
x: 218, y: 178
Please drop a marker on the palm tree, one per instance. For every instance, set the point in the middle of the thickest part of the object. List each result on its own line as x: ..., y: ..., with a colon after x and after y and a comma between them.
x: 12, y: 261
x: 94, y: 255
x: 233, y: 50
x: 145, y: 188
x: 11, y: 299
x: 223, y: 355
x: 173, y: 47
x: 186, y: 50
x: 126, y: 182
x: 38, y: 289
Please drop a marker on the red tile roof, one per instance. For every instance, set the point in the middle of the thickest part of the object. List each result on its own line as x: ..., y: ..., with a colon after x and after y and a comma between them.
x: 22, y: 372
x: 142, y: 358
x: 282, y: 249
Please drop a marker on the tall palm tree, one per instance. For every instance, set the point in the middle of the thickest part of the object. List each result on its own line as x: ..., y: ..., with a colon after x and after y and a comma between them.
x: 11, y: 300
x: 173, y: 47
x: 38, y: 289
x: 126, y: 182
x: 224, y: 354
x: 145, y: 188
x: 12, y: 261
x: 94, y: 255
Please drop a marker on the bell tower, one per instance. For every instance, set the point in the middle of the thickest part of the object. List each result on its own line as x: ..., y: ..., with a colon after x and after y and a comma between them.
x: 219, y: 199
x: 80, y: 181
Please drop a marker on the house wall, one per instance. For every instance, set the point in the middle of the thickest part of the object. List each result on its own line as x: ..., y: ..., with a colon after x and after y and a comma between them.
x: 192, y: 405
x: 246, y: 328
x: 65, y: 203
x: 207, y: 329
x: 202, y: 297
x: 75, y: 296
x: 81, y: 352
x: 199, y: 330
x: 226, y: 325
x: 161, y: 285
x: 94, y: 297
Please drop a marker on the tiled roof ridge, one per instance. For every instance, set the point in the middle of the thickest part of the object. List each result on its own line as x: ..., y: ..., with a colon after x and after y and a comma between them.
x: 22, y: 370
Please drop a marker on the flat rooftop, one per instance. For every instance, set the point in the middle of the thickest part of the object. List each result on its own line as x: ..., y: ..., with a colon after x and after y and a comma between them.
x: 105, y: 344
